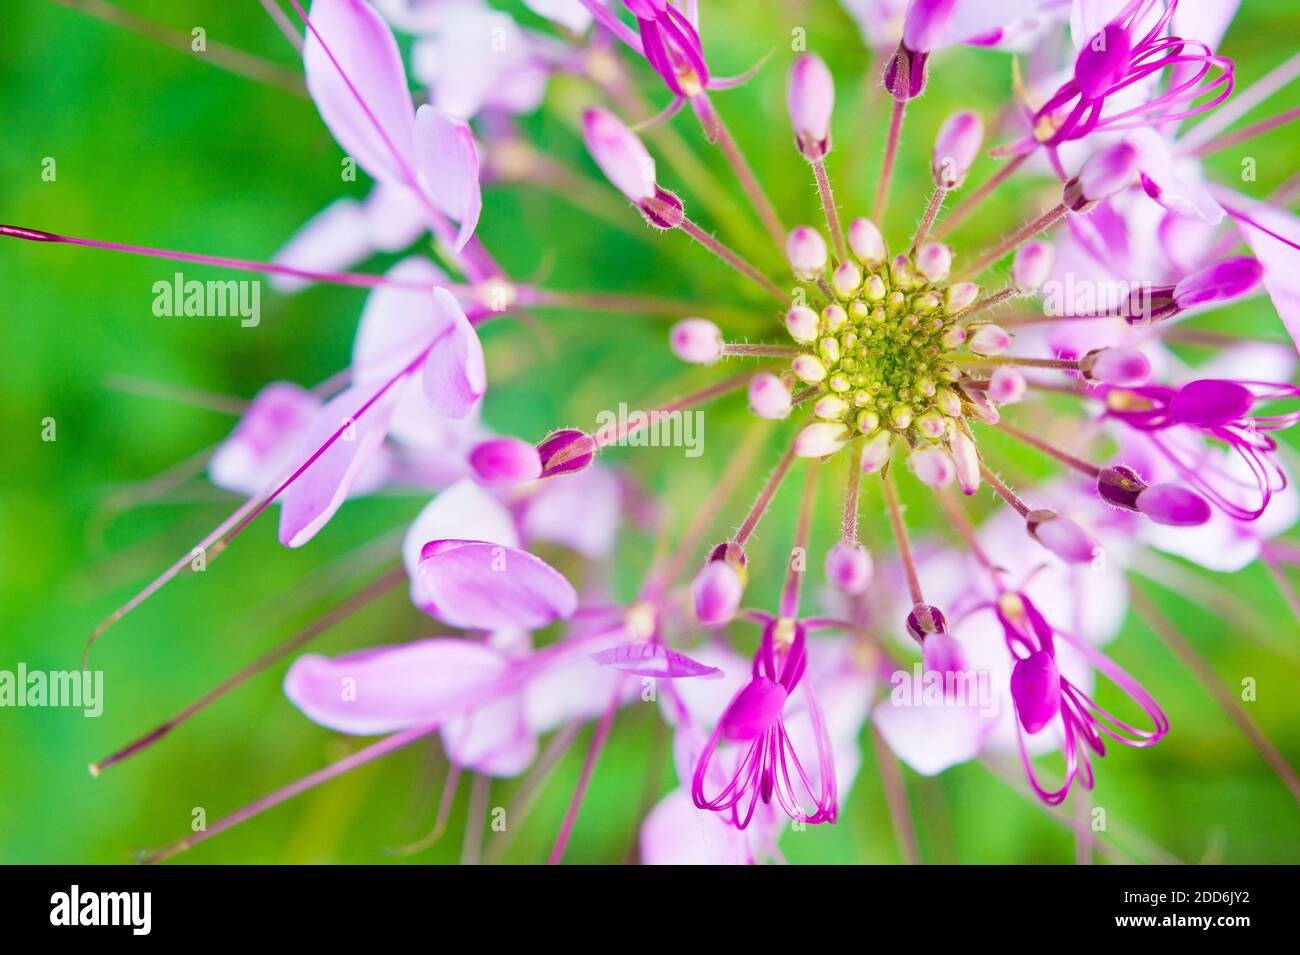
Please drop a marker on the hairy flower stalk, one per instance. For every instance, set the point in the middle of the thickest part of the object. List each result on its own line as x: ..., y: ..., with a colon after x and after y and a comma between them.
x: 881, y: 348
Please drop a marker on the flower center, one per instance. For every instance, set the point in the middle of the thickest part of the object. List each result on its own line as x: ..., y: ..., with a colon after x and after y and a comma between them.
x: 883, y: 351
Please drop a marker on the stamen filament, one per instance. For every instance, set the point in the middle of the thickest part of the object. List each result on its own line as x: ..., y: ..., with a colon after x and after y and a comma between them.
x: 740, y: 349
x: 538, y: 775
x: 351, y: 605
x: 765, y: 496
x: 900, y: 813
x: 1165, y: 629
x: 968, y: 205
x: 614, y: 435
x: 440, y: 821
x: 1036, y: 442
x: 887, y: 169
x: 1003, y: 491
x: 358, y: 279
x: 729, y: 256
x: 927, y: 220
x: 584, y: 778
x: 228, y: 58
x: 828, y: 206
x: 1064, y: 364
x: 986, y: 303
x: 790, y: 594
x: 762, y: 204
x: 852, y: 495
x: 900, y: 537
x: 1016, y: 238
x: 1247, y: 132
x: 704, y: 516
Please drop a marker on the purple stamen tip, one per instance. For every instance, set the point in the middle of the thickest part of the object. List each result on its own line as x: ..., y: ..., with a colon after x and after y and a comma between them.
x: 1174, y: 505
x: 1036, y: 690
x: 566, y: 451
x: 1062, y: 536
x: 925, y: 620
x: 1210, y: 401
x: 754, y: 710
x: 1103, y: 62
x: 1224, y: 280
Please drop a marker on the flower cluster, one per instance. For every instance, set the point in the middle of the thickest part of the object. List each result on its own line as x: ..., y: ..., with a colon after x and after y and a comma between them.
x: 887, y: 346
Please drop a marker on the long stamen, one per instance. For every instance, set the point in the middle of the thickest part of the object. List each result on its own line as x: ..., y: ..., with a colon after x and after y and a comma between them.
x: 284, y: 24
x: 901, y: 539
x: 374, y: 751
x: 887, y: 169
x: 972, y: 202
x: 327, y: 621
x: 440, y: 821
x: 790, y: 595
x: 166, y: 391
x: 1284, y: 586
x: 1241, y: 103
x: 900, y: 813
x: 745, y: 349
x: 606, y: 302
x: 726, y: 254
x: 1063, y: 364
x: 1164, y: 628
x: 631, y: 426
x: 1247, y: 132
x: 1003, y: 491
x: 749, y: 182
x: 358, y: 279
x: 986, y: 303
x: 475, y: 820
x: 1016, y: 238
x: 852, y: 496
x: 228, y: 58
x: 218, y: 539
x: 961, y: 523
x: 584, y: 778
x: 521, y: 806
x: 765, y: 496
x: 1047, y: 448
x: 927, y: 220
x: 828, y: 206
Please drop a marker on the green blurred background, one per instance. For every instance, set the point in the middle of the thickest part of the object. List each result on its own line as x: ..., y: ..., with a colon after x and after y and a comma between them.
x: 157, y: 147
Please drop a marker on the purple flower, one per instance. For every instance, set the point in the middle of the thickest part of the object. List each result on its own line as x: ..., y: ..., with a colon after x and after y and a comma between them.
x: 1043, y: 697
x: 768, y: 767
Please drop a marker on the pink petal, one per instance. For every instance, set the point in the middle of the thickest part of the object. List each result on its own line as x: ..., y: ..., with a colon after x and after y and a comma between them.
x: 263, y: 444
x: 333, y: 240
x: 754, y: 710
x: 311, y: 500
x: 930, y: 738
x: 394, y: 217
x: 505, y: 461
x: 578, y: 511
x: 676, y: 833
x: 1281, y: 272
x: 397, y: 323
x: 485, y: 586
x: 394, y: 687
x: 454, y: 374
x: 377, y: 134
x: 448, y: 165
x: 465, y: 511
x: 653, y: 659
